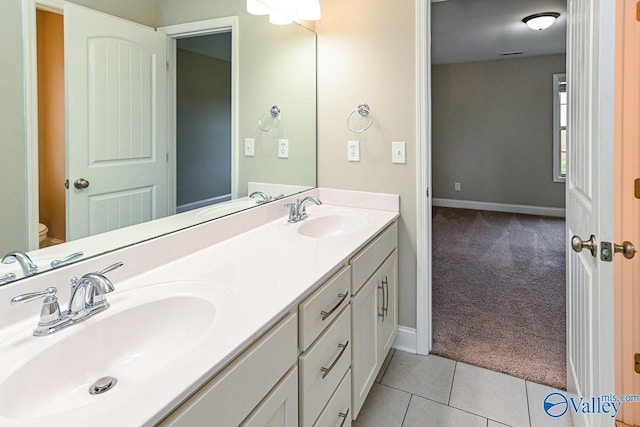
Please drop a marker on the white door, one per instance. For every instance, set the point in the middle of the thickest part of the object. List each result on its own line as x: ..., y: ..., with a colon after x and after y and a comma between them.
x: 115, y: 77
x: 590, y: 90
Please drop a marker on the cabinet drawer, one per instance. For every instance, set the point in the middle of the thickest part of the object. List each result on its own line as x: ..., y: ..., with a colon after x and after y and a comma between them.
x: 323, y: 366
x: 338, y: 410
x: 318, y: 311
x: 229, y: 397
x: 369, y: 259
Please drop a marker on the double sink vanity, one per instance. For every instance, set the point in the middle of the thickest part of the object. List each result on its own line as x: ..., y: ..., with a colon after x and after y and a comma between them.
x: 246, y: 320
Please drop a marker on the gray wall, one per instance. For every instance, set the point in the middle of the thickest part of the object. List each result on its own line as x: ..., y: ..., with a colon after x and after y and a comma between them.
x: 493, y: 131
x: 203, y: 127
x: 12, y: 132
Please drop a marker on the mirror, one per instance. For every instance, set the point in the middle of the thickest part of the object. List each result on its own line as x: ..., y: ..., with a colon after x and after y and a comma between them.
x: 275, y: 153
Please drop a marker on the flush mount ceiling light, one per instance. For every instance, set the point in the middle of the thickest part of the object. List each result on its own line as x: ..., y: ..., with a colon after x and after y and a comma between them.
x: 541, y: 21
x: 282, y: 12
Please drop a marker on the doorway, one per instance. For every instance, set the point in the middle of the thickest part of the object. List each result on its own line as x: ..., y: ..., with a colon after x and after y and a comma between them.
x: 498, y: 234
x: 203, y: 115
x: 51, y: 128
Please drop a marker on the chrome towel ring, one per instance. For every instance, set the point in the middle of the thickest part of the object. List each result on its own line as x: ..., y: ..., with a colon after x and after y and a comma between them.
x: 364, y: 111
x: 276, y: 118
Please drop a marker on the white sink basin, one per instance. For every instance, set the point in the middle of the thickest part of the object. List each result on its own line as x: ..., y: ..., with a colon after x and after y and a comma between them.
x: 334, y: 225
x: 146, y: 331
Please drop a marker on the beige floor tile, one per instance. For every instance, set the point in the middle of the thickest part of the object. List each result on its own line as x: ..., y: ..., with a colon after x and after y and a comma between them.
x: 385, y: 364
x: 426, y: 376
x: 427, y: 413
x: 539, y: 418
x: 496, y: 424
x: 490, y: 394
x: 384, y: 407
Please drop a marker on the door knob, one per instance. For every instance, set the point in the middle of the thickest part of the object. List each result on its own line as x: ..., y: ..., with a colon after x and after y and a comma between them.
x: 626, y: 249
x: 578, y: 244
x: 81, y: 183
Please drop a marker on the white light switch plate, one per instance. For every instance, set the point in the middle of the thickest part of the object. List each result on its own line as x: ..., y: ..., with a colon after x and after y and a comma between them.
x: 398, y: 152
x: 283, y: 148
x: 249, y: 147
x: 353, y: 151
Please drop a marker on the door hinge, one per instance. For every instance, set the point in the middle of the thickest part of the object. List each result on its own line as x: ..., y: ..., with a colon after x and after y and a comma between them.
x: 167, y: 65
x: 636, y: 189
x: 427, y: 193
x: 167, y: 157
x: 637, y: 362
x: 638, y: 11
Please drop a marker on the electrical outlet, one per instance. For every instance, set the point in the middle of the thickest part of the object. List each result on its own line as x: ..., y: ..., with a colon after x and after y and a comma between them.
x: 398, y: 152
x: 457, y: 186
x: 249, y: 147
x: 283, y: 148
x: 353, y: 151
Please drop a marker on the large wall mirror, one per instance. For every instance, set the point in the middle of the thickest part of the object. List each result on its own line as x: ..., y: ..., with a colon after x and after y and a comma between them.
x: 133, y: 131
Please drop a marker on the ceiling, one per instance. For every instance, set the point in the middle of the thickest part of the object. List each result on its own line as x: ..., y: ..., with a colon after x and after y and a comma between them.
x: 480, y: 30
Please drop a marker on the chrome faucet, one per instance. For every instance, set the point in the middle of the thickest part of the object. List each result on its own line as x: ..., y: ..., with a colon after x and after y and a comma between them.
x: 28, y: 267
x: 265, y: 198
x: 87, y: 299
x: 298, y: 211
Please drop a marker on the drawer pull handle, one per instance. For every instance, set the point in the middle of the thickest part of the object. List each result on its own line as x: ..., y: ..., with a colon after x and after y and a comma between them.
x: 343, y: 415
x: 325, y: 371
x: 385, y: 309
x: 381, y: 287
x: 342, y: 297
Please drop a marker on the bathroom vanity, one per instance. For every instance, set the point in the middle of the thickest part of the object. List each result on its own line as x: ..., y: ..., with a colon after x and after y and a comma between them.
x: 247, y: 320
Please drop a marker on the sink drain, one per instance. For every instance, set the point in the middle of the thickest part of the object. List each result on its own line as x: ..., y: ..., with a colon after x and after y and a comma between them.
x: 103, y: 385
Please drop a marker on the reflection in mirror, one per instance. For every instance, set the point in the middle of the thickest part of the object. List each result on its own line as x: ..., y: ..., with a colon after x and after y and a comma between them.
x: 158, y: 151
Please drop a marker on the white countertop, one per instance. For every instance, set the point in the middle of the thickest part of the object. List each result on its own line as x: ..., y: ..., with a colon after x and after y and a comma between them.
x: 265, y: 272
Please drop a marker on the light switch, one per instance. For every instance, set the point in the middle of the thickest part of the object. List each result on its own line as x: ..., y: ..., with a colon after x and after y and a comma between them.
x: 398, y: 152
x: 249, y: 147
x: 283, y: 148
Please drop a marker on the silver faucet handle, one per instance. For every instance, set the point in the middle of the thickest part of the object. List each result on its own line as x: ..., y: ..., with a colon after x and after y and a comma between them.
x: 59, y: 262
x: 48, y: 293
x: 112, y: 267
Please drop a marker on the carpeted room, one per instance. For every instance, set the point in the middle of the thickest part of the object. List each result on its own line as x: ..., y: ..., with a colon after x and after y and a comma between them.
x: 498, y: 277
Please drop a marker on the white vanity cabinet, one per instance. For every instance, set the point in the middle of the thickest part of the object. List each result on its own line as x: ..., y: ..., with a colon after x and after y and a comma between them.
x: 325, y: 337
x: 374, y: 314
x: 257, y: 386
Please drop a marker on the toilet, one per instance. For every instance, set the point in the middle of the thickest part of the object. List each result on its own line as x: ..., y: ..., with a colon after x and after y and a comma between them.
x: 42, y: 232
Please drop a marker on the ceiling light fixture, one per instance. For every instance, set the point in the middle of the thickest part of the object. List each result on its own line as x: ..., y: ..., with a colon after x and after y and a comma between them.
x: 541, y: 21
x: 282, y: 12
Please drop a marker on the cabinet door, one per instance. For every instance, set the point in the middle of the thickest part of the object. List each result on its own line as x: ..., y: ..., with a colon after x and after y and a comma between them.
x: 280, y: 407
x: 388, y: 324
x: 365, y: 361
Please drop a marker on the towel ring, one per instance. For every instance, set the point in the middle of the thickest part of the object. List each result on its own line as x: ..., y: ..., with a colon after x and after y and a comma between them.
x: 364, y: 111
x: 274, y: 112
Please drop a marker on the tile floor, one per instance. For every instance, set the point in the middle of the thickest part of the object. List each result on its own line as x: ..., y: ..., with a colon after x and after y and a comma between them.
x: 426, y: 391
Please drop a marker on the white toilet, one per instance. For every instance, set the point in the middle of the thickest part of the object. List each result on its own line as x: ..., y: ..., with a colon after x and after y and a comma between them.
x: 42, y: 232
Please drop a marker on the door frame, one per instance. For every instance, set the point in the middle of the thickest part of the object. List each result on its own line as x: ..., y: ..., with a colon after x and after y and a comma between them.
x: 30, y: 54
x: 191, y: 29
x: 424, y: 331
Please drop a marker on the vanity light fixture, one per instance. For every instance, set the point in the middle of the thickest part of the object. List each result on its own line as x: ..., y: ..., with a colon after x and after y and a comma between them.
x: 541, y: 21
x: 282, y: 12
x: 254, y: 7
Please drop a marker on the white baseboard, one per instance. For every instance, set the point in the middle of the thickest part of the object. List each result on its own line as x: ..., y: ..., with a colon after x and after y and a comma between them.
x: 499, y: 207
x: 406, y: 340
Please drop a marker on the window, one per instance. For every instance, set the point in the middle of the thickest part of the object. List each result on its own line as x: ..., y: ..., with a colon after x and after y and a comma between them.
x: 559, y: 128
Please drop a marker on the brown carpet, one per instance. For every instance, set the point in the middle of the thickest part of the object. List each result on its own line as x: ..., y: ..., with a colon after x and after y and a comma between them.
x: 499, y: 292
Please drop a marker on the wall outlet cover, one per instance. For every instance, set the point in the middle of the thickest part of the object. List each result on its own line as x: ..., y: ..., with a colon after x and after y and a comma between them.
x: 283, y: 148
x: 249, y: 147
x: 353, y: 151
x: 398, y: 152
